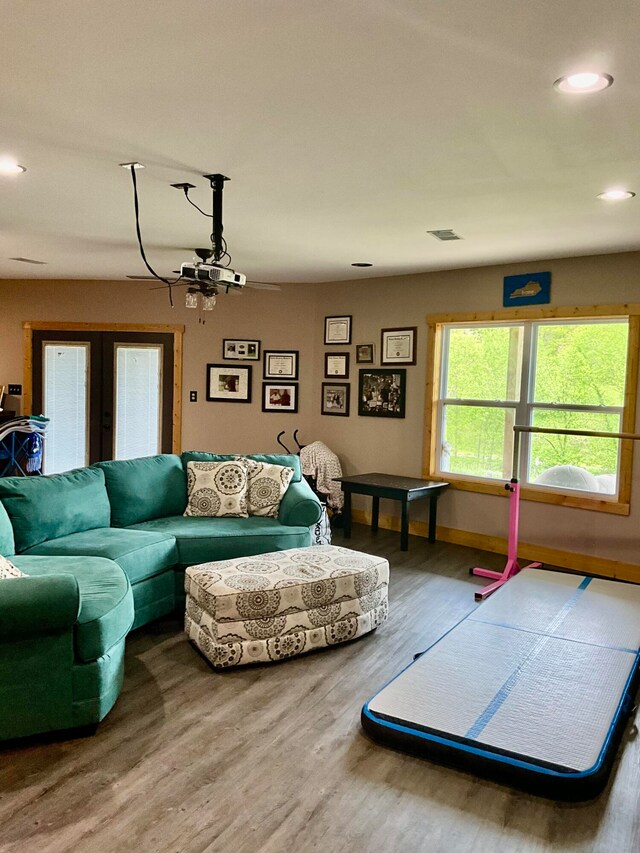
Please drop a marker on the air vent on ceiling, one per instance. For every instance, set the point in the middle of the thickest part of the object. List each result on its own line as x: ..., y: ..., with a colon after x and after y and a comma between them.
x: 28, y: 261
x: 445, y: 234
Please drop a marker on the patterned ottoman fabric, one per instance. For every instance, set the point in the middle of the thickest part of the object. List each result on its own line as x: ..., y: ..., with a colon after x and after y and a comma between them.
x: 282, y: 604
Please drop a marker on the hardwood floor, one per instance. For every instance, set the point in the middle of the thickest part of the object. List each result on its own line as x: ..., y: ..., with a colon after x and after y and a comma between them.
x: 273, y: 759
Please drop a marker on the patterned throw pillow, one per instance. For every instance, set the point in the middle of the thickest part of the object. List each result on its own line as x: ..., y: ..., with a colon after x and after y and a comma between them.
x: 267, y: 485
x: 217, y: 489
x: 8, y: 570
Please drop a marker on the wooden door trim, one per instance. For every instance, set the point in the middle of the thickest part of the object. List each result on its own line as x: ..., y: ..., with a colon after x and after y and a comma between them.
x: 177, y: 331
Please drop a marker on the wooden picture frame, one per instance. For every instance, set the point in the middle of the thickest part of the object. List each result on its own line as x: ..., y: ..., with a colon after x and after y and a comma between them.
x: 365, y: 353
x: 280, y: 364
x: 228, y: 383
x: 279, y: 397
x: 382, y: 392
x: 398, y: 346
x: 239, y: 349
x: 337, y: 329
x: 335, y: 399
x: 336, y: 365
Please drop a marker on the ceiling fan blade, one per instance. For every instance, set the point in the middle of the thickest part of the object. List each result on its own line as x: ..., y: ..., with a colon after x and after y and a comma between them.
x: 177, y: 284
x: 263, y: 285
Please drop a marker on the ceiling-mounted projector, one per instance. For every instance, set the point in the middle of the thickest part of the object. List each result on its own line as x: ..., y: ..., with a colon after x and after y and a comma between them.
x: 213, y: 273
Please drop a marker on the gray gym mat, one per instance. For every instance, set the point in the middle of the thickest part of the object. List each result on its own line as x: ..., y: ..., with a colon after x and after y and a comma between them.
x: 537, y: 670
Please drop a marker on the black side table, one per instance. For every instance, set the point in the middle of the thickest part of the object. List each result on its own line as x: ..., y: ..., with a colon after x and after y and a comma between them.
x: 404, y: 489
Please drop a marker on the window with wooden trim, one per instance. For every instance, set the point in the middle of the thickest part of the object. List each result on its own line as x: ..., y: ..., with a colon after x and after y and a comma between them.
x: 571, y: 372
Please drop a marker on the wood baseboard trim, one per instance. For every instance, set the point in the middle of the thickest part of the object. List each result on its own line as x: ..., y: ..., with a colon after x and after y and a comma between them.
x: 498, y: 545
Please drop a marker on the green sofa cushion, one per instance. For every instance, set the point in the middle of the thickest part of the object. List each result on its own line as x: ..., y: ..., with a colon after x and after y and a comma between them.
x: 7, y: 543
x: 201, y: 540
x: 299, y: 506
x: 42, y: 508
x: 145, y: 488
x: 30, y: 606
x: 289, y: 460
x: 140, y: 554
x: 96, y: 686
x: 106, y: 600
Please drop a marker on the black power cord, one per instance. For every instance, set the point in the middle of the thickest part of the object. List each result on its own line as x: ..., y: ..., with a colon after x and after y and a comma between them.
x: 136, y: 206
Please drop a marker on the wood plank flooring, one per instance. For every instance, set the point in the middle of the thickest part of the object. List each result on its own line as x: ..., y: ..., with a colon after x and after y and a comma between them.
x: 273, y: 759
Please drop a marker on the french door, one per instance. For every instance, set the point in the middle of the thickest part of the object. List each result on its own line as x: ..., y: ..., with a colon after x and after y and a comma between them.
x: 108, y: 395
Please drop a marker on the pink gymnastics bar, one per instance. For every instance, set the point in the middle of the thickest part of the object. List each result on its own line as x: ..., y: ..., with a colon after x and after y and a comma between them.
x: 512, y: 566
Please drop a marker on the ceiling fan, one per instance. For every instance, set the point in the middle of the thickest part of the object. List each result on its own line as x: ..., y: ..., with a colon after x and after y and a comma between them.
x: 209, y: 273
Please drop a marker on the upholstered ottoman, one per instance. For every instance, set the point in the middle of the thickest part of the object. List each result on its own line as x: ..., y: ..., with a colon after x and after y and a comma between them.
x: 285, y: 603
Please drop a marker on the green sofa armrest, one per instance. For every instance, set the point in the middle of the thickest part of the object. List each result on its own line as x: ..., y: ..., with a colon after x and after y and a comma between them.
x: 33, y: 605
x: 299, y: 506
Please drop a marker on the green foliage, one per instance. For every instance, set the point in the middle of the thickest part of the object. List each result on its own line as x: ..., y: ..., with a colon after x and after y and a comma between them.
x: 577, y: 364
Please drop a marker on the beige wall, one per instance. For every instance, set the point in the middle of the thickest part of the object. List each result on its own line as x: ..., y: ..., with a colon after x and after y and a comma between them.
x: 279, y: 320
x: 396, y: 446
x: 295, y: 319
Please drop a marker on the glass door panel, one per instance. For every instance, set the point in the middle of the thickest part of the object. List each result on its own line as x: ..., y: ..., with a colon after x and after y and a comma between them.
x: 137, y: 400
x: 65, y: 368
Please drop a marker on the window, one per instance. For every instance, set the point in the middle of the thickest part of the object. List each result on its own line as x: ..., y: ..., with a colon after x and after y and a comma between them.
x: 548, y: 372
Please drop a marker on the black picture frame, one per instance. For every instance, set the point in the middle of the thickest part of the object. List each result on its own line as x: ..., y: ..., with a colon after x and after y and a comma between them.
x: 382, y: 392
x: 288, y: 359
x: 365, y: 353
x: 288, y: 391
x: 240, y: 349
x: 336, y: 365
x: 337, y: 329
x: 336, y: 407
x: 220, y: 378
x: 405, y: 340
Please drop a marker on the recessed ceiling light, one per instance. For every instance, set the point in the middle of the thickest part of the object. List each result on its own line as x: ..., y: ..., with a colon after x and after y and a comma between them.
x: 134, y: 165
x: 361, y: 264
x: 10, y: 167
x: 616, y: 195
x: 583, y: 82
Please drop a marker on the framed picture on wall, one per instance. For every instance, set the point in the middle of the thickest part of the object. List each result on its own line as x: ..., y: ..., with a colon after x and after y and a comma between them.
x: 364, y: 353
x: 337, y: 330
x: 382, y: 393
x: 280, y: 364
x: 398, y: 346
x: 335, y: 398
x: 240, y: 350
x: 279, y: 397
x: 336, y: 364
x: 227, y: 383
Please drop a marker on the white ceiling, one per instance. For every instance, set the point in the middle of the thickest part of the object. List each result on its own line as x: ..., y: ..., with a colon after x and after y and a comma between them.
x: 348, y: 128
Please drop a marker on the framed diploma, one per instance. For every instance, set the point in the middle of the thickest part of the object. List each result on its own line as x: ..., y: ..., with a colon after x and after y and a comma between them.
x: 337, y: 330
x: 280, y: 364
x: 398, y: 346
x: 336, y: 365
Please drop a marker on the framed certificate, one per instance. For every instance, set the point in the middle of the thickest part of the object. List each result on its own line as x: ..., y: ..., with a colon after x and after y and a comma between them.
x: 280, y: 364
x: 398, y: 346
x: 337, y: 330
x: 336, y: 365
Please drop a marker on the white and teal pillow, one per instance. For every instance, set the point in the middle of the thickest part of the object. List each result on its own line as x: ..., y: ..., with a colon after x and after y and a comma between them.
x: 217, y: 489
x: 8, y: 570
x: 267, y: 485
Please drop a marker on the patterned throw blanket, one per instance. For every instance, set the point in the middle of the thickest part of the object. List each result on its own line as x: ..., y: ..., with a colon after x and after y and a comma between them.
x: 323, y: 465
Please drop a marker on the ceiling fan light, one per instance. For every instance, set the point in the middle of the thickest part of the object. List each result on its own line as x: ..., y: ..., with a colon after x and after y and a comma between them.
x: 191, y: 299
x: 208, y: 302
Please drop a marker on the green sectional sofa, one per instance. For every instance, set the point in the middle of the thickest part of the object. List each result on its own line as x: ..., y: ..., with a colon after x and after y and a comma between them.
x: 105, y: 549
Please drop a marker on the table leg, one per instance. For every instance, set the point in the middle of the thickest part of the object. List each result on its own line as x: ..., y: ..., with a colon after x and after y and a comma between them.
x: 346, y: 513
x: 404, y: 528
x: 375, y: 508
x: 433, y: 508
